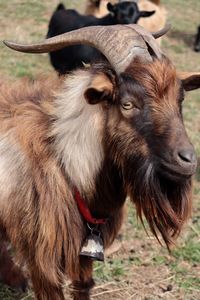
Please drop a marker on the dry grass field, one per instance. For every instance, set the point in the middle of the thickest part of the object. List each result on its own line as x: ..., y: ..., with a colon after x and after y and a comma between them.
x: 138, y: 268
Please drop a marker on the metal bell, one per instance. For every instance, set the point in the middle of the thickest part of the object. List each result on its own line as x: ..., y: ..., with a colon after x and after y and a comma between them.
x: 93, y: 247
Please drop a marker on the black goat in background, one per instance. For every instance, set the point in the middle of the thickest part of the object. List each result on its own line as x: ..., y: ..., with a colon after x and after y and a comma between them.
x: 65, y: 20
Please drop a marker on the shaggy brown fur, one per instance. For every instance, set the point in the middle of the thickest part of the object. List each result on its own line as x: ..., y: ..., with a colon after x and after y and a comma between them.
x: 25, y: 114
x: 38, y: 212
x: 44, y: 202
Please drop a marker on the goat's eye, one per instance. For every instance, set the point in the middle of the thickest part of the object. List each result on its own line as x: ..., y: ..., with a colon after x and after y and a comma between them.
x: 127, y: 105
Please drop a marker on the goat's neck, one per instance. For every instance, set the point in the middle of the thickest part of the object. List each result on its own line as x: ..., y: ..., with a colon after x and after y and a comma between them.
x: 109, y: 194
x: 78, y: 132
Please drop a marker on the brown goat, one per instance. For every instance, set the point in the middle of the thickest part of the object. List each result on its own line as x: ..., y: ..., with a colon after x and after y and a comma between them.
x: 109, y: 130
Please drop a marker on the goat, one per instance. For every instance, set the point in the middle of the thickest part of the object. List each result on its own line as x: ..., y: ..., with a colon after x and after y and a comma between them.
x: 197, y: 41
x: 154, y: 23
x: 101, y: 133
x: 65, y: 20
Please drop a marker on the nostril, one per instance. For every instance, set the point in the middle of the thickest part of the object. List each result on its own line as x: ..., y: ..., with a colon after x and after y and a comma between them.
x: 187, y: 155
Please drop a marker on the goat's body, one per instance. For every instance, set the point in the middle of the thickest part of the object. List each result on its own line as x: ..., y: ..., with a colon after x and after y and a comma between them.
x: 39, y: 192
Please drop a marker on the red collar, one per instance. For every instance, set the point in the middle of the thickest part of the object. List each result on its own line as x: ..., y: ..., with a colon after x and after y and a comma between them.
x: 85, y: 212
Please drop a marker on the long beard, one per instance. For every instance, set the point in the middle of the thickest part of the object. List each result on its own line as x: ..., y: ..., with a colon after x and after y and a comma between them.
x: 166, y: 204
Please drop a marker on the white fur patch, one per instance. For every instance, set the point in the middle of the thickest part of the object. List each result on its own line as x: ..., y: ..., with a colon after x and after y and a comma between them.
x: 12, y: 167
x: 78, y: 132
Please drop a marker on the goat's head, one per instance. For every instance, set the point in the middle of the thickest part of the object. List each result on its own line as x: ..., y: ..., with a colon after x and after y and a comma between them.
x: 127, y: 12
x: 146, y: 138
x: 144, y: 135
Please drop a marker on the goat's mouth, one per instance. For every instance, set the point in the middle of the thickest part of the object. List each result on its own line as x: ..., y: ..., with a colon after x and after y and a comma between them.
x: 176, y: 172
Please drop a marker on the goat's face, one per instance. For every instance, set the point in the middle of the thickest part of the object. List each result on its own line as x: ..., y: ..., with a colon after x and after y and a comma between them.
x: 152, y: 109
x: 145, y: 120
x: 127, y: 12
x: 146, y: 138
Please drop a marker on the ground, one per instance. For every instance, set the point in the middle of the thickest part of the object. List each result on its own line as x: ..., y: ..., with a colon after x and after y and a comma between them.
x: 138, y: 268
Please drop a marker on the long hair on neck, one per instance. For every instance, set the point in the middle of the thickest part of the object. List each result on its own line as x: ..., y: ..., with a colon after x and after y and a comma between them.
x: 164, y: 203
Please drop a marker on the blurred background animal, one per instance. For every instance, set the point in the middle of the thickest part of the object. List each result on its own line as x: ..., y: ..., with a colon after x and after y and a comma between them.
x: 197, y: 40
x: 154, y: 23
x: 65, y: 20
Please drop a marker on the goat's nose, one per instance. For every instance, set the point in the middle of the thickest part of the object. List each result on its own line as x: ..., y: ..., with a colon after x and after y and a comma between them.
x: 187, y: 156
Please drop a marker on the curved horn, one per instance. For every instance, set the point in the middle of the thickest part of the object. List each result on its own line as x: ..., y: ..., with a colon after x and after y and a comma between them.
x: 119, y: 43
x: 161, y: 32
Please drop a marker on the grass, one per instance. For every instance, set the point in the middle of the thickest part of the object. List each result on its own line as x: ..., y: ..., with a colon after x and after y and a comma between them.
x: 141, y: 269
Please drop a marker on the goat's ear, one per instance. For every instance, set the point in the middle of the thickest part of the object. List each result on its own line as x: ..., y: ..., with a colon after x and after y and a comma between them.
x: 111, y: 7
x: 146, y: 14
x: 190, y: 80
x: 100, y: 89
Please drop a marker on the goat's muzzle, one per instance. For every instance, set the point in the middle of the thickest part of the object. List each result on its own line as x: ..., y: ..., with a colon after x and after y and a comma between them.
x: 181, y: 165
